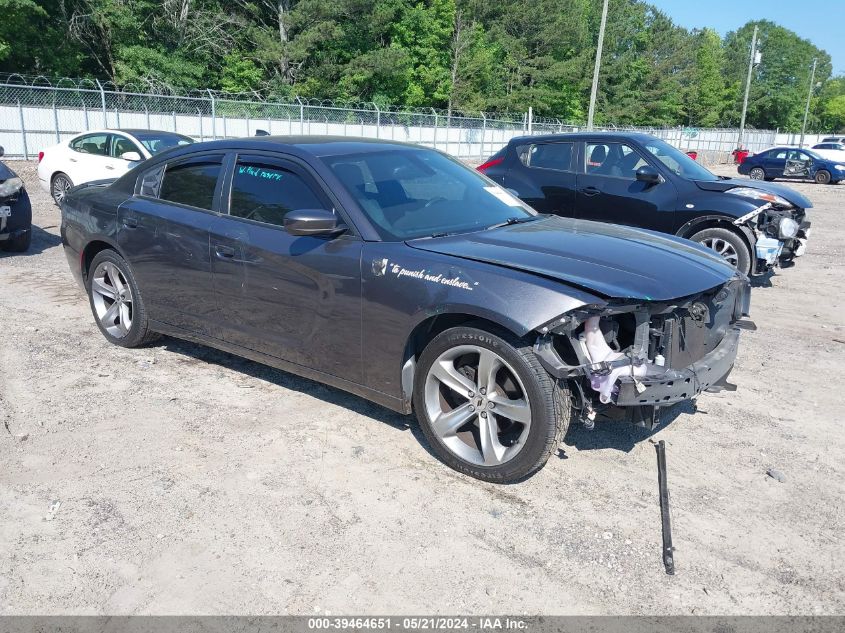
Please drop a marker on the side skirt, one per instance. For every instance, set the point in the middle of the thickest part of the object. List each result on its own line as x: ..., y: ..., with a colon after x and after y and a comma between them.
x: 394, y: 404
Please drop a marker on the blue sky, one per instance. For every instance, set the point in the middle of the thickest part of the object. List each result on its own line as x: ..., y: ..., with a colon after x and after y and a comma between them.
x: 825, y: 28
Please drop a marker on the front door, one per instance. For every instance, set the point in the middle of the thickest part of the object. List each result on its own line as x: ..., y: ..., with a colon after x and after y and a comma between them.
x: 608, y: 189
x: 544, y: 177
x: 798, y: 164
x: 297, y: 298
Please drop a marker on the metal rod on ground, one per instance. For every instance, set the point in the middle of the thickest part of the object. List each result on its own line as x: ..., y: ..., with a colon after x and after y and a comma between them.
x: 809, y: 95
x: 594, y: 90
x: 751, y: 61
x: 668, y: 550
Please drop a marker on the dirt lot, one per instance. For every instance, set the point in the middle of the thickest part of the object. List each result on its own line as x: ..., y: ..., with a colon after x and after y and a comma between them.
x: 180, y: 480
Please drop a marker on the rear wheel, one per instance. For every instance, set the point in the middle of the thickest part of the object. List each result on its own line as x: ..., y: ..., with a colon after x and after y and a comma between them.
x: 757, y: 174
x: 116, y: 301
x: 59, y: 186
x: 18, y: 244
x: 727, y: 244
x: 486, y: 405
x: 823, y: 177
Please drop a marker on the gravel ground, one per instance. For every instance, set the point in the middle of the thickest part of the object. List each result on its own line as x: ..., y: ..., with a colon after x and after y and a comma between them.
x: 176, y: 479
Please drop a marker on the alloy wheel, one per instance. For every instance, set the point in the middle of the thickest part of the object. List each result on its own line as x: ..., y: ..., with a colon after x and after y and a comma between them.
x: 112, y: 297
x: 757, y: 174
x: 477, y: 405
x: 723, y: 248
x: 60, y: 188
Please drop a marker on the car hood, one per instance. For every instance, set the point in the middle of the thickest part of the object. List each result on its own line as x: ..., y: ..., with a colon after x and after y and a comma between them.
x: 783, y: 191
x: 5, y: 172
x: 606, y: 259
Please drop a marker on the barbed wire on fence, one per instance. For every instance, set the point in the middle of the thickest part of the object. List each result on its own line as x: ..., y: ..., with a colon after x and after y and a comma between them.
x: 37, y: 111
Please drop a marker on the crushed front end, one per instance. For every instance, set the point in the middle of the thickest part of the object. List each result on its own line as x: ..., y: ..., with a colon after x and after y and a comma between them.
x: 780, y: 230
x: 636, y: 357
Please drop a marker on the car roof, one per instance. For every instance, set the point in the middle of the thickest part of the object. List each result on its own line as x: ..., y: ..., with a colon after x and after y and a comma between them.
x: 314, y: 145
x: 610, y: 136
x: 130, y: 131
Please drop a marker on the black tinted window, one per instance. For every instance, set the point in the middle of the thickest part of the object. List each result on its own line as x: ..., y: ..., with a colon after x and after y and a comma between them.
x: 151, y: 182
x: 191, y: 183
x: 548, y: 156
x: 266, y: 193
x: 618, y: 160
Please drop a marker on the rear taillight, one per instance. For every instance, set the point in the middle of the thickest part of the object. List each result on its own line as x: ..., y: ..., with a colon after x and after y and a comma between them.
x: 40, y: 156
x: 490, y: 163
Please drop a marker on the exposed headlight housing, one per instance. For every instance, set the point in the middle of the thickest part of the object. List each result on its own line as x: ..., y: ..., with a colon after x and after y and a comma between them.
x: 10, y: 187
x: 759, y: 194
x: 787, y: 229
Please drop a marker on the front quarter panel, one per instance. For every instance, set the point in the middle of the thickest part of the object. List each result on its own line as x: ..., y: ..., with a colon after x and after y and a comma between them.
x: 403, y: 286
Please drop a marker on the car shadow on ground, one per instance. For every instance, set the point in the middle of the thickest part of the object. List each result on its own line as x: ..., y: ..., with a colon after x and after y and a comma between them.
x: 41, y: 241
x: 618, y: 434
x: 290, y: 381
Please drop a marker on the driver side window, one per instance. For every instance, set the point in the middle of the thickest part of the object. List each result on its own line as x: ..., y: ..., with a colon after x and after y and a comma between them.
x: 266, y: 192
x: 612, y: 159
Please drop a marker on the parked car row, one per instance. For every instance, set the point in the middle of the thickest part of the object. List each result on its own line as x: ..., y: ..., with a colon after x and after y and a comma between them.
x: 497, y: 306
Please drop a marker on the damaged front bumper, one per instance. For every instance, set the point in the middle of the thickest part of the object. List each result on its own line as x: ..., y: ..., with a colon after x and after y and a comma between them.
x: 778, y: 235
x: 640, y: 357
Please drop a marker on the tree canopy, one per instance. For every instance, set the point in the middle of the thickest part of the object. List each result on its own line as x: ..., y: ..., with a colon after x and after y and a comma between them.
x: 463, y: 55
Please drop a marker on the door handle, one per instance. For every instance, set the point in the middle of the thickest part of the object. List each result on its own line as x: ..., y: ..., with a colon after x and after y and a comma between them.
x: 109, y: 167
x: 590, y: 191
x: 224, y: 252
x: 130, y: 223
x: 73, y: 160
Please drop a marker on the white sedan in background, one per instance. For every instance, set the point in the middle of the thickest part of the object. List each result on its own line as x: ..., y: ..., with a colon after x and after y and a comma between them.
x: 99, y: 154
x: 831, y: 150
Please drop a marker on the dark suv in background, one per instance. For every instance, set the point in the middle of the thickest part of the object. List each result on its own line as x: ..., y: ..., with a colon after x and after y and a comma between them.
x: 642, y: 181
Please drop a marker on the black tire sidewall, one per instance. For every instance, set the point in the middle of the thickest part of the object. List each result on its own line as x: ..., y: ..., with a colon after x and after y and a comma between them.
x: 539, y: 387
x: 741, y: 248
x: 53, y: 182
x: 138, y: 332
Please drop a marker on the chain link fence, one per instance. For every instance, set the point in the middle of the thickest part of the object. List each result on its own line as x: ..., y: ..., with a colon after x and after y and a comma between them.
x: 36, y: 113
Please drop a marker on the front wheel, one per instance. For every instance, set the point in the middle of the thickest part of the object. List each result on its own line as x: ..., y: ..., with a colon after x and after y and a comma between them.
x: 757, y: 173
x: 823, y: 177
x: 486, y: 405
x: 59, y: 186
x: 727, y: 244
x: 116, y: 301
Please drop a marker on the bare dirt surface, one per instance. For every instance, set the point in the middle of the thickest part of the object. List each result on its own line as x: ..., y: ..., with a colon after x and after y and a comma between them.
x: 176, y: 479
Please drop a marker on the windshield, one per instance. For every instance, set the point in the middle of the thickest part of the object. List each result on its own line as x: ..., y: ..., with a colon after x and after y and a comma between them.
x: 416, y: 192
x: 678, y: 162
x: 156, y: 142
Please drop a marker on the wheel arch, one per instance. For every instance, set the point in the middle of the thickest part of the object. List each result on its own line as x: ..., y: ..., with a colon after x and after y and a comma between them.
x: 91, y: 250
x: 722, y: 222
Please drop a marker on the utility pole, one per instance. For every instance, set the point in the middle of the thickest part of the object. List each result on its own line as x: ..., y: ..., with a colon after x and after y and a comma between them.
x: 595, y: 88
x: 751, y: 61
x: 809, y: 94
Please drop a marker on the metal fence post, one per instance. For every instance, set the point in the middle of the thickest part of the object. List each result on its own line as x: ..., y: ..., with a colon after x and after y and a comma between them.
x: 147, y: 114
x: 117, y: 116
x: 56, y: 120
x: 378, y: 121
x: 213, y: 115
x: 199, y: 114
x: 435, y: 127
x: 301, y: 115
x: 85, y: 114
x: 225, y: 134
x: 103, y: 101
x: 174, y: 120
x: 23, y: 132
x: 483, y: 132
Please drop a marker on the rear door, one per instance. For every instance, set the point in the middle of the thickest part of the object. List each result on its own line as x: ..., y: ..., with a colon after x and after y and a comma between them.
x: 89, y: 158
x: 294, y: 297
x: 774, y: 163
x: 544, y: 176
x: 163, y: 230
x: 608, y: 190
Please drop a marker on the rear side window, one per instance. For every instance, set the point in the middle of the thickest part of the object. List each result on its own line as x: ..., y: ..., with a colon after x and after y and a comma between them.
x: 192, y: 182
x: 97, y: 144
x: 557, y: 156
x: 267, y: 192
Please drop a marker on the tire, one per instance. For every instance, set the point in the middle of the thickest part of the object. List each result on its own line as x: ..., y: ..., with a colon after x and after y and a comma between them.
x: 757, y: 173
x: 727, y: 244
x: 110, y: 276
x: 18, y: 244
x: 59, y: 184
x: 518, y: 450
x: 823, y: 177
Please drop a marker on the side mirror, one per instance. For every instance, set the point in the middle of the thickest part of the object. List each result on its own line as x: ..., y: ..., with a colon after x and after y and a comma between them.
x: 2, y: 151
x: 648, y: 174
x: 313, y: 222
x: 131, y: 156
